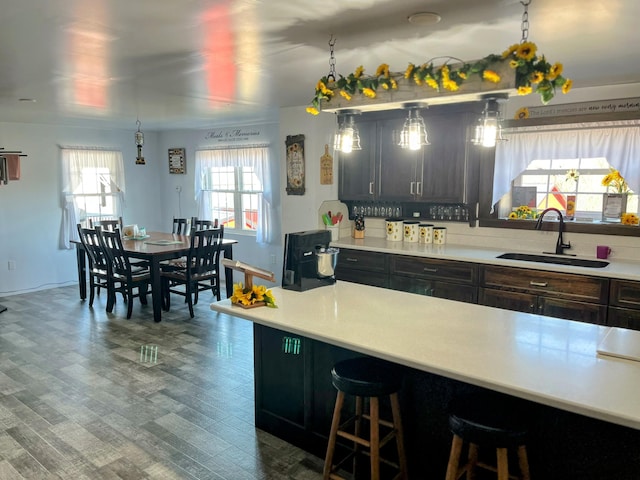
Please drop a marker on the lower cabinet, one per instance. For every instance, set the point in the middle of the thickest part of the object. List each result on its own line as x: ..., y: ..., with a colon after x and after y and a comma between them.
x: 553, y: 294
x: 624, y: 304
x: 364, y: 267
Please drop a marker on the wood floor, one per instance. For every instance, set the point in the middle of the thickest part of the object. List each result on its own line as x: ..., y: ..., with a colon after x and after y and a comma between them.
x: 79, y: 399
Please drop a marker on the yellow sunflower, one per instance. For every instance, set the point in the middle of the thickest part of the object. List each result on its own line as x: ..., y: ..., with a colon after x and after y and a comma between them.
x: 554, y: 71
x: 409, y: 71
x: 629, y: 219
x: 524, y: 90
x: 358, y: 72
x: 537, y: 77
x: 566, y: 86
x: 312, y: 110
x: 522, y: 113
x: 368, y: 92
x: 526, y: 51
x: 345, y: 95
x: 383, y: 69
x: 491, y: 76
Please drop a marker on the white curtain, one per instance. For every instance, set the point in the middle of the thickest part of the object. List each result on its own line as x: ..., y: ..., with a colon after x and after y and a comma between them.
x: 618, y: 142
x: 74, y: 161
x: 255, y: 157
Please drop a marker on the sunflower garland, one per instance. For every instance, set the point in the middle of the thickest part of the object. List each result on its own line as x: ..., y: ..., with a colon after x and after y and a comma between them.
x: 523, y: 212
x: 249, y: 296
x: 533, y: 73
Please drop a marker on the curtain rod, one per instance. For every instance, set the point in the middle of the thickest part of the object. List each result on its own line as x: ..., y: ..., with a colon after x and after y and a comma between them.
x: 80, y: 147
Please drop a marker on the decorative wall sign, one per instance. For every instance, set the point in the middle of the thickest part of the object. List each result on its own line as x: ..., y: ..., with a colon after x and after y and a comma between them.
x: 613, y: 206
x: 295, y: 164
x: 235, y: 135
x: 585, y: 108
x: 177, y: 160
x: 326, y: 167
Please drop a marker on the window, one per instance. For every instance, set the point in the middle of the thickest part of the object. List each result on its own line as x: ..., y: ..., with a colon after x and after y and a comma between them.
x: 233, y: 196
x: 94, y: 187
x: 556, y: 182
x: 234, y: 186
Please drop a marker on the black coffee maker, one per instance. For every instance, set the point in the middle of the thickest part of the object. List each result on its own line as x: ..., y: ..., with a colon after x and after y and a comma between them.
x: 309, y: 262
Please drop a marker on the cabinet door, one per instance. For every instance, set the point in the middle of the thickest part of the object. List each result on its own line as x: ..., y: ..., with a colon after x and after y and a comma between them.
x: 367, y: 268
x: 517, y: 301
x: 357, y: 180
x: 444, y: 164
x: 625, y: 293
x: 398, y: 167
x: 624, y: 318
x: 279, y: 379
x: 572, y: 310
x: 432, y: 288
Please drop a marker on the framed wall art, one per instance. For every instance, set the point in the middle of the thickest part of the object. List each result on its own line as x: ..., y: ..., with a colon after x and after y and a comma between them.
x: 177, y: 160
x: 295, y: 164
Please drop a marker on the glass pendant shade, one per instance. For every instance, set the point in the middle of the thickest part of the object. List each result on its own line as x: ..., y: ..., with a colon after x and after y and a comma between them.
x: 488, y: 129
x: 414, y: 131
x: 347, y: 138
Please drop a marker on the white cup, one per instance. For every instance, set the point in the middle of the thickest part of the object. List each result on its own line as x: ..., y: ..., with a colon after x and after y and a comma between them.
x: 335, y: 232
x: 439, y: 235
x: 425, y: 233
x: 410, y: 231
x: 394, y: 229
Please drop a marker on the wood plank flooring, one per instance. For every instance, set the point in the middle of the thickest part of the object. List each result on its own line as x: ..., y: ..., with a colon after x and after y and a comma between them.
x: 80, y: 400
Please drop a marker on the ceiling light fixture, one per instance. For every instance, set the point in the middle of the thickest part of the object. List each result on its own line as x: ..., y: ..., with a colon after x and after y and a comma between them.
x: 347, y: 138
x: 489, y: 126
x: 424, y: 18
x: 414, y: 131
x: 139, y: 139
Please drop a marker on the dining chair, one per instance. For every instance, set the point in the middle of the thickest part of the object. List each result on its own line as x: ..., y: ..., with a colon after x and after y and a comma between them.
x: 202, y: 224
x: 123, y: 277
x: 180, y: 226
x: 201, y: 270
x: 97, y: 261
x: 105, y: 223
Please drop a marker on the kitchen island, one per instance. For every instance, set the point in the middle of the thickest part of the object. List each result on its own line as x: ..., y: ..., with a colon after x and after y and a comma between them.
x: 586, y: 406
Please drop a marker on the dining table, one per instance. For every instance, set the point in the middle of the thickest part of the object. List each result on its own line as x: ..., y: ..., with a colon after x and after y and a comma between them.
x: 155, y: 247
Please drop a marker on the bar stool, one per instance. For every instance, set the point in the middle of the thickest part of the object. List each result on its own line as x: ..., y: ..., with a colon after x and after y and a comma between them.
x: 490, y: 421
x: 366, y: 378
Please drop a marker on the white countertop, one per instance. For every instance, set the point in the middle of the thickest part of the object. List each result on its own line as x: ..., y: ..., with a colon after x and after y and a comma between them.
x: 623, y: 269
x: 546, y: 360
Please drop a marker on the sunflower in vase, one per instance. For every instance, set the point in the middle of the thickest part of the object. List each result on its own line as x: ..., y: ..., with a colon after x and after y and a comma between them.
x: 252, y: 296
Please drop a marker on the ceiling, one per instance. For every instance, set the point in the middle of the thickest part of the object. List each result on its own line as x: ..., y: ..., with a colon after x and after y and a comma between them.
x: 199, y: 63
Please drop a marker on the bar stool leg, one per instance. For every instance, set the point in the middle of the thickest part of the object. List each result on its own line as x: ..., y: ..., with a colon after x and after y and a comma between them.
x: 335, y: 423
x: 397, y: 422
x: 358, y: 432
x: 454, y: 458
x: 374, y: 413
x: 523, y: 462
x: 503, y: 464
x: 473, y: 461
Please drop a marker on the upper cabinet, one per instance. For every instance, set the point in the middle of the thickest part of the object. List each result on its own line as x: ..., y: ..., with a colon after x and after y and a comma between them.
x: 438, y: 173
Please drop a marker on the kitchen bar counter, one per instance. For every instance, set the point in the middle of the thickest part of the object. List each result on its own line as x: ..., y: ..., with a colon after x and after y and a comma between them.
x: 549, y: 361
x: 622, y: 269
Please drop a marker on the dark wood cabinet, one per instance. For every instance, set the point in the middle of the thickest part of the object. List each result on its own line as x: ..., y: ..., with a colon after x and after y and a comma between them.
x: 560, y: 295
x: 434, y: 277
x: 367, y: 268
x: 357, y: 178
x: 624, y: 304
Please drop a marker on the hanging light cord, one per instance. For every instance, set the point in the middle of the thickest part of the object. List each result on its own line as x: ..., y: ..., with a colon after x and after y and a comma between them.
x: 525, y: 21
x: 331, y: 77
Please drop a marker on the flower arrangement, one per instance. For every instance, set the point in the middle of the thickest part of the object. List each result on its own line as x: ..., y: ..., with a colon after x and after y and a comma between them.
x: 533, y: 72
x: 629, y: 219
x: 523, y: 212
x: 613, y: 179
x: 251, y: 296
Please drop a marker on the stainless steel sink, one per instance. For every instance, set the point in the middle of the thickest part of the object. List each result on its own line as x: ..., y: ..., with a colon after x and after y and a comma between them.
x: 575, y: 262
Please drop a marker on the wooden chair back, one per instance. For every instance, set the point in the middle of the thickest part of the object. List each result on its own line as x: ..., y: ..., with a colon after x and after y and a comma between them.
x: 203, y: 258
x: 120, y: 266
x: 201, y: 225
x: 90, y: 239
x: 180, y: 226
x: 105, y: 223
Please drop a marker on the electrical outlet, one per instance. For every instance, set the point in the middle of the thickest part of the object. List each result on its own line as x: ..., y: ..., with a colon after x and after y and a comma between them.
x: 178, y: 189
x: 11, y: 265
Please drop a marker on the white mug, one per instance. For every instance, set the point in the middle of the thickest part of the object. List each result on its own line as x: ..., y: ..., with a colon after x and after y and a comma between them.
x: 439, y: 235
x: 410, y: 231
x: 425, y: 233
x: 394, y: 229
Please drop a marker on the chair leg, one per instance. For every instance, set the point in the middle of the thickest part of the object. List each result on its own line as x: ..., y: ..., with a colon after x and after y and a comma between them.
x: 454, y: 458
x: 374, y: 413
x: 358, y: 432
x: 129, y: 297
x: 190, y: 299
x: 142, y: 293
x: 473, y: 461
x: 503, y: 464
x: 111, y: 297
x: 335, y: 423
x: 397, y: 422
x: 523, y: 462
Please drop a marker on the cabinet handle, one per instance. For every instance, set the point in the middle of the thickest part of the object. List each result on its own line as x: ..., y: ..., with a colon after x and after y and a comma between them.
x: 419, y: 188
x: 353, y: 260
x: 427, y: 269
x: 532, y: 308
x: 537, y: 284
x: 370, y: 188
x: 411, y: 188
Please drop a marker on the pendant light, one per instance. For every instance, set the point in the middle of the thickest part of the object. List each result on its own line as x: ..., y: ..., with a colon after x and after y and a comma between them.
x: 139, y: 139
x: 489, y: 126
x: 347, y: 138
x: 414, y: 131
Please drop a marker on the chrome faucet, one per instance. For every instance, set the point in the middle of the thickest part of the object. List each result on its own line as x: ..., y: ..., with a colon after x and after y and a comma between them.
x: 560, y: 245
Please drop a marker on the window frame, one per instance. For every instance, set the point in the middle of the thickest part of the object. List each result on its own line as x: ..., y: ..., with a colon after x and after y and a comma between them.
x: 486, y: 218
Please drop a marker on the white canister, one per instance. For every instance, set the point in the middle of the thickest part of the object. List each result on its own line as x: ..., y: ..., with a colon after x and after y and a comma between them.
x: 394, y: 229
x: 335, y: 232
x: 425, y: 233
x: 439, y: 235
x: 410, y: 231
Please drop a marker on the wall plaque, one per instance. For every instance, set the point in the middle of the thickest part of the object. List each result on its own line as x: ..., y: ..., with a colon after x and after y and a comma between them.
x: 177, y: 160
